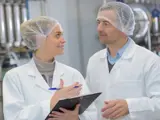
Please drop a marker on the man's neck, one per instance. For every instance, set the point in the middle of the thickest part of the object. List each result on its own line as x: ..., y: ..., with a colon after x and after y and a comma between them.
x: 114, y: 48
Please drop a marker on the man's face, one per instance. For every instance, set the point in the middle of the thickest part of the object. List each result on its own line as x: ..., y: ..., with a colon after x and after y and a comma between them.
x: 108, y: 33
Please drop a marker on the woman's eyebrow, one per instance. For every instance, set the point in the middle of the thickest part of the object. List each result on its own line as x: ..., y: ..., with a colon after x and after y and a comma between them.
x: 59, y: 32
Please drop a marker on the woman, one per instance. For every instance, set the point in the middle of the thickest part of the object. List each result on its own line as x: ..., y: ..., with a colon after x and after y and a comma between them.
x: 26, y: 94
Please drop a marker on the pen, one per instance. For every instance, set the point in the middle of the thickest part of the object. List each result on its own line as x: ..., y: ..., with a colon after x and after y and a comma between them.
x: 60, y: 88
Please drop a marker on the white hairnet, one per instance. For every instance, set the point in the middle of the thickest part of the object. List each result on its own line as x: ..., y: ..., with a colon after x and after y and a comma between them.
x: 124, y: 15
x: 35, y: 31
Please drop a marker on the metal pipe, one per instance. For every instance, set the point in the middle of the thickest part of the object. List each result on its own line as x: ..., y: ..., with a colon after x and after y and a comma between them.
x: 23, y: 17
x: 155, y: 25
x: 27, y: 8
x: 23, y: 13
x: 43, y: 7
x: 3, y: 39
x: 9, y: 24
x: 155, y: 15
x: 142, y: 1
x: 149, y: 38
x: 136, y: 1
x: 17, y: 23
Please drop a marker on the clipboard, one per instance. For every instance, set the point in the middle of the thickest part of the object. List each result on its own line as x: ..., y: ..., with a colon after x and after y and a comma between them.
x: 84, y: 100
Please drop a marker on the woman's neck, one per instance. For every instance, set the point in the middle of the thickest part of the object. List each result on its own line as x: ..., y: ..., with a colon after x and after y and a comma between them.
x: 44, y: 57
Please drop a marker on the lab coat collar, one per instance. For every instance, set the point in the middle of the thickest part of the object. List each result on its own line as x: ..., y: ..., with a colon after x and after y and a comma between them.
x: 40, y: 80
x: 128, y: 53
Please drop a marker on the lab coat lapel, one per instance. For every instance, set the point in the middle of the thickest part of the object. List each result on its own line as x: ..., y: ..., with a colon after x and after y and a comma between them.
x: 127, y: 55
x: 103, y: 60
x: 39, y: 80
x: 58, y: 74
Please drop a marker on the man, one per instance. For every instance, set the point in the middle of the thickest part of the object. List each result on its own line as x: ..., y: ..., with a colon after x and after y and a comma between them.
x: 127, y: 74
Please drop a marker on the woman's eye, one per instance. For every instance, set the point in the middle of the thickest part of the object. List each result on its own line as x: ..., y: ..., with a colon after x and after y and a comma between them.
x: 58, y: 36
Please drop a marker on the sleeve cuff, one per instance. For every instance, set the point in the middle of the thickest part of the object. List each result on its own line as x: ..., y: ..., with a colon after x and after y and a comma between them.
x: 139, y: 105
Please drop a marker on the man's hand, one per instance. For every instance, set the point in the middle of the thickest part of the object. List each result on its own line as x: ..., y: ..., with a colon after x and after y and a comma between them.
x: 115, y: 109
x: 66, y: 114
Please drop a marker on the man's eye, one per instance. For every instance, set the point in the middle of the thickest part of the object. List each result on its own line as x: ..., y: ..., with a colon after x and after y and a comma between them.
x: 106, y: 23
x: 98, y: 22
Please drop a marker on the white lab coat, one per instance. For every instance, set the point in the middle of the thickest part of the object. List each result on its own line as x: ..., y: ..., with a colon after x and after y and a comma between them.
x: 135, y: 77
x: 26, y: 95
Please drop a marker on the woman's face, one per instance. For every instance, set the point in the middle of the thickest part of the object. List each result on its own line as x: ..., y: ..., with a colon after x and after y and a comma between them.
x: 54, y: 43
